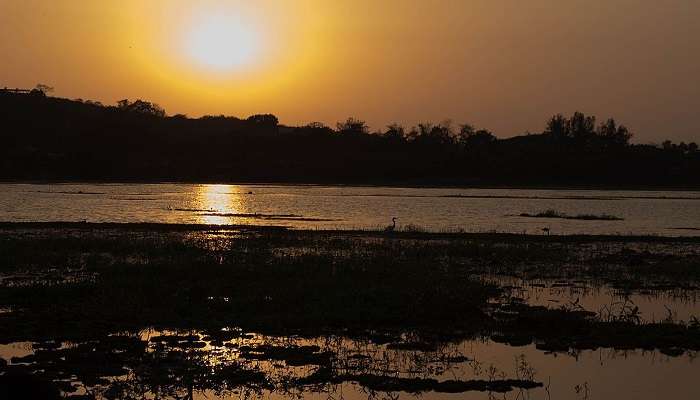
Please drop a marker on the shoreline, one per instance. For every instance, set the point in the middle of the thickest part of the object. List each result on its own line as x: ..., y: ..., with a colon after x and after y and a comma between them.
x: 393, y: 185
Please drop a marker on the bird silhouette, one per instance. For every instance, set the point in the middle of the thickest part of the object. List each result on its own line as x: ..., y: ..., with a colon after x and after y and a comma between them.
x: 392, y: 227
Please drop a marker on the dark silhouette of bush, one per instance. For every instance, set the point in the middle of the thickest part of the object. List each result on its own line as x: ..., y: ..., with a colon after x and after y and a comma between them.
x: 141, y: 107
x: 268, y: 120
x: 353, y: 126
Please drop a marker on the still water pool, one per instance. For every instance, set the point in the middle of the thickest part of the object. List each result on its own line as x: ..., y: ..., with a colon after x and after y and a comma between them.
x: 668, y: 213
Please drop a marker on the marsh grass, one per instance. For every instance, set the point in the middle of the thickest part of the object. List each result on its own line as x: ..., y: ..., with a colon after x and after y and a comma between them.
x: 586, y: 217
x: 414, y: 293
x: 312, y: 282
x: 185, y: 282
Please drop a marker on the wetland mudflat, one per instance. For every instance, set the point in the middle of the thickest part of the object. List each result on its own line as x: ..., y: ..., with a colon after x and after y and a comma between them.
x: 225, y: 311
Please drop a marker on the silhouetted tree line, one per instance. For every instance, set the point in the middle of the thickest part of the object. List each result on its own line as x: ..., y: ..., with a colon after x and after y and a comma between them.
x: 46, y: 138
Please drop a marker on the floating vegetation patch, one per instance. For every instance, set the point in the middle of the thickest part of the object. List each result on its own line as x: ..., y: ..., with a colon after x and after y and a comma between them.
x: 465, y: 196
x: 262, y: 216
x: 605, y: 198
x: 565, y: 328
x: 585, y: 217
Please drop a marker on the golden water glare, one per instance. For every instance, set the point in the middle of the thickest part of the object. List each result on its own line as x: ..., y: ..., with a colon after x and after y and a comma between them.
x: 217, y: 200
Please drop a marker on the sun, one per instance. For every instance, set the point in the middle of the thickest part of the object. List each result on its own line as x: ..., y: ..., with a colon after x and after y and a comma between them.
x: 222, y: 42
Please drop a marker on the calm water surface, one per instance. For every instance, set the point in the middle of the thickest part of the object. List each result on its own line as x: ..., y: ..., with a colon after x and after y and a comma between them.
x: 601, y: 374
x: 670, y: 213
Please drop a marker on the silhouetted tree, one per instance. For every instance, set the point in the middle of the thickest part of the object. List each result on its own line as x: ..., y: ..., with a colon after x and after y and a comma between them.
x: 479, y: 139
x: 417, y: 131
x: 141, y: 107
x: 581, y: 128
x: 612, y: 135
x: 431, y: 135
x: 43, y: 88
x: 264, y: 119
x: 352, y: 126
x: 442, y: 133
x: 395, y: 132
x: 316, y: 125
x: 558, y: 128
x: 465, y: 132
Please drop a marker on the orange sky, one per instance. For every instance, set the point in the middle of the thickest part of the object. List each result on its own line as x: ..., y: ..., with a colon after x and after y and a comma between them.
x: 502, y: 64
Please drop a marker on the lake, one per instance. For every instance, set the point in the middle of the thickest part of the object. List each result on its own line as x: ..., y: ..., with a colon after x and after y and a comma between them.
x: 667, y: 213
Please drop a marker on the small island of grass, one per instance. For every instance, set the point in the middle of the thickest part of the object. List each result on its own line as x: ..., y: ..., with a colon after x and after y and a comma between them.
x: 587, y: 217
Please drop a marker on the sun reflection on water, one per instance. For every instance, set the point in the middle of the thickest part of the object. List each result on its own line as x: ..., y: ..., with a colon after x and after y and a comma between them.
x: 219, y: 203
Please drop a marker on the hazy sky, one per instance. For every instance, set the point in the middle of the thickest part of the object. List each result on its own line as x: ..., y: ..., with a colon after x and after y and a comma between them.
x: 501, y: 64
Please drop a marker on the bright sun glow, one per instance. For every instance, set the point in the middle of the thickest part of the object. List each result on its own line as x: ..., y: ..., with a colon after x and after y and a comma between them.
x: 222, y: 42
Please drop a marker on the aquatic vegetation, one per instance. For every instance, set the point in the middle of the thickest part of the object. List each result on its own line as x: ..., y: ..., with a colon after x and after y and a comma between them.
x: 587, y: 217
x: 117, y: 366
x: 560, y: 330
x: 408, y: 295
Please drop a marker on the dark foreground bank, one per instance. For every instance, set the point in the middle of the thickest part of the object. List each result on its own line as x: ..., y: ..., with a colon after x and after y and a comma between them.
x: 78, y: 278
x: 203, y: 288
